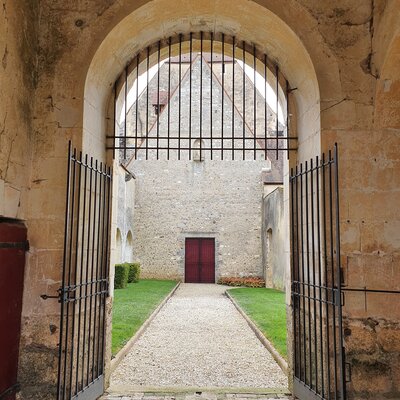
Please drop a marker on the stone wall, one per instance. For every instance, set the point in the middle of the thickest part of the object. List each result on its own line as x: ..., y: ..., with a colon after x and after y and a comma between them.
x: 175, y: 200
x: 274, y: 238
x: 18, y: 78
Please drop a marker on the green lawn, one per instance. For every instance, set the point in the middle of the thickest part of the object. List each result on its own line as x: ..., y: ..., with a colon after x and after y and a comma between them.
x: 133, y: 305
x: 266, y: 308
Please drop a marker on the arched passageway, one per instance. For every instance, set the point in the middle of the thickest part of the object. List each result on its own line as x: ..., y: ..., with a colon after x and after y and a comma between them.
x: 339, y: 61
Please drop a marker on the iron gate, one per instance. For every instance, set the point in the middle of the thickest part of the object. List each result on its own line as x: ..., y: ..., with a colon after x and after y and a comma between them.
x: 85, y: 279
x: 319, y: 365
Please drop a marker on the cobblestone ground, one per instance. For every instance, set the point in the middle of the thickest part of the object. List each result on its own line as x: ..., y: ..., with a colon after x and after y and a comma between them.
x: 198, y: 396
x: 198, y: 340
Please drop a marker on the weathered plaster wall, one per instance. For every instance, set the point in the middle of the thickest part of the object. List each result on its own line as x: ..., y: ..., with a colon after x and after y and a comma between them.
x: 335, y: 54
x: 274, y: 238
x: 18, y: 78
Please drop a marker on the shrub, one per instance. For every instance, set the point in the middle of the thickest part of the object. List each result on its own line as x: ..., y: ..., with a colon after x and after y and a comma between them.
x: 121, y: 276
x: 134, y: 272
x: 249, y: 281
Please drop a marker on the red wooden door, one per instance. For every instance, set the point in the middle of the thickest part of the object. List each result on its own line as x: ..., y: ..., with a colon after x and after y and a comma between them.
x: 200, y: 260
x: 12, y: 263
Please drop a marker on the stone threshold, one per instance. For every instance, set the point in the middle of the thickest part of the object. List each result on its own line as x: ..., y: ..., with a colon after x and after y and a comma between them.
x: 187, y: 393
x: 157, y: 390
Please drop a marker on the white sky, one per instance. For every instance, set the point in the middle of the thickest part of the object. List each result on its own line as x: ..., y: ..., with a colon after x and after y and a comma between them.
x: 260, y: 85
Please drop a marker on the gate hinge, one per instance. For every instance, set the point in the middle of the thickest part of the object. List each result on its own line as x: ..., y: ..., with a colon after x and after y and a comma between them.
x: 342, y: 280
x: 11, y: 390
x: 24, y: 245
x: 347, y: 371
x: 338, y: 298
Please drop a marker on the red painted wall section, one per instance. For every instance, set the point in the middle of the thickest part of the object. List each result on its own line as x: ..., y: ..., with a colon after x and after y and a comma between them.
x: 12, y: 264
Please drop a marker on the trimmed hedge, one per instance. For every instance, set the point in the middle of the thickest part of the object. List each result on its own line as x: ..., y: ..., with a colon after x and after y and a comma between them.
x: 121, y: 276
x: 249, y: 281
x: 134, y: 272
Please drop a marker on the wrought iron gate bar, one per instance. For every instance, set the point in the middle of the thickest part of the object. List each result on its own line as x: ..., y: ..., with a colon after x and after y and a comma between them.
x: 189, y: 149
x: 84, y: 285
x: 319, y: 364
x: 277, y: 108
x: 211, y: 91
x: 255, y: 103
x: 269, y: 138
x: 190, y: 95
x: 244, y: 99
x: 133, y: 112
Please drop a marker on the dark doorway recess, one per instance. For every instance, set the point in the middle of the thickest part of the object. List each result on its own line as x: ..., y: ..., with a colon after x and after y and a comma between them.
x: 200, y: 260
x: 13, y: 245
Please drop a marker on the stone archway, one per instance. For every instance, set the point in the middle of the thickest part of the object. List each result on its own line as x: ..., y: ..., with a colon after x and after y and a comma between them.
x: 272, y: 34
x: 87, y: 99
x: 336, y: 57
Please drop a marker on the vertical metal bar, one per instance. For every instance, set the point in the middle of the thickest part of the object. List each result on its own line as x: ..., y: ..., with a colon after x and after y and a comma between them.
x: 328, y: 358
x: 81, y: 278
x: 75, y: 276
x: 287, y: 120
x: 89, y: 225
x: 313, y: 274
x: 158, y: 97
x: 298, y: 275
x: 303, y: 276
x: 201, y: 92
x: 107, y: 250
x: 222, y: 96
x: 125, y: 109
x: 180, y: 96
x: 244, y: 99
x: 293, y: 274
x: 266, y: 108
x: 147, y: 102
x: 100, y: 269
x: 319, y: 276
x: 255, y: 101
x: 96, y: 332
x: 277, y: 111
x: 190, y: 93
x: 308, y: 278
x: 211, y: 95
x: 233, y: 96
x: 169, y: 96
x: 339, y: 275
x: 66, y: 293
x: 115, y: 118
x: 137, y: 104
x: 91, y: 276
x: 61, y: 337
x: 331, y: 227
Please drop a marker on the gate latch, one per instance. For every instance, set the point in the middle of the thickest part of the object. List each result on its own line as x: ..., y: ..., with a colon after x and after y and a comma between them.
x: 46, y: 296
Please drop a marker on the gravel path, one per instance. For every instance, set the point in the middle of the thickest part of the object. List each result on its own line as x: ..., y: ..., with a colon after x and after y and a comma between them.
x: 199, y: 339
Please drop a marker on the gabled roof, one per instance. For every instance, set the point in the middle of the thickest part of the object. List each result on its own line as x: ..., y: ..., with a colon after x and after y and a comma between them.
x: 220, y: 126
